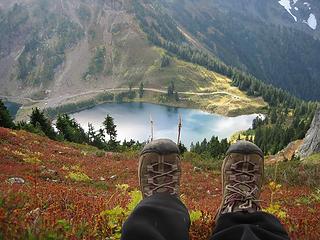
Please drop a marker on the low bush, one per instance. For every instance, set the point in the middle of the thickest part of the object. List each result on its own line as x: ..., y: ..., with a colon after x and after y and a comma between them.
x: 294, y: 173
x: 78, y: 177
x: 203, y: 162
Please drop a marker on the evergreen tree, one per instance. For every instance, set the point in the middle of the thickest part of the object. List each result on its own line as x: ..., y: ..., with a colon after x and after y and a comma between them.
x: 257, y: 122
x: 141, y: 90
x: 273, y: 116
x: 192, y: 147
x: 119, y: 98
x: 171, y: 89
x: 70, y: 129
x: 213, y: 148
x: 91, y: 133
x: 176, y: 96
x: 110, y: 127
x: 5, y: 118
x: 96, y: 139
x: 131, y: 94
x: 182, y: 148
x: 39, y: 120
x: 165, y: 61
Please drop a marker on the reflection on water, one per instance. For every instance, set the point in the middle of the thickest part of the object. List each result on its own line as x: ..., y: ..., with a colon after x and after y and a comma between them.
x: 12, y: 107
x: 133, y: 121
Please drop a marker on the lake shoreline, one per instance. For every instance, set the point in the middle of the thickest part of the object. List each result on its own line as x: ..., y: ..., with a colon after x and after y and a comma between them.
x: 76, y: 104
x: 154, y: 99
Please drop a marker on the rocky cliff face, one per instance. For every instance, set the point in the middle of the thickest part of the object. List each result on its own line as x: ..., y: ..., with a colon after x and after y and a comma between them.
x: 286, y: 154
x: 311, y: 143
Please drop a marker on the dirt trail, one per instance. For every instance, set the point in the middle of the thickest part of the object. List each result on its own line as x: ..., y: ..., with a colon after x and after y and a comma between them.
x: 55, y: 101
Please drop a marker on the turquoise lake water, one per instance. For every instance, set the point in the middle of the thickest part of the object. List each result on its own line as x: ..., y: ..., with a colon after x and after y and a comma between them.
x: 133, y: 122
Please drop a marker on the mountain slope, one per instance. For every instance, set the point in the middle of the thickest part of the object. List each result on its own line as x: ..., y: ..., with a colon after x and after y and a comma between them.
x: 260, y: 37
x: 63, y: 190
x: 63, y: 51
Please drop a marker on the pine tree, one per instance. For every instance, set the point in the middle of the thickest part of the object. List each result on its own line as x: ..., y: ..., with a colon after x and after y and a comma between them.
x: 141, y: 90
x: 165, y: 61
x: 96, y: 139
x: 273, y: 116
x: 171, y: 89
x: 5, y: 118
x: 39, y: 120
x: 182, y: 148
x: 192, y: 147
x: 176, y: 96
x: 110, y: 127
x: 70, y: 129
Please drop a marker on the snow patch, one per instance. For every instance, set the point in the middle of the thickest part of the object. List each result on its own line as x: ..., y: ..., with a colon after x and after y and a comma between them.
x: 312, y: 21
x: 287, y: 6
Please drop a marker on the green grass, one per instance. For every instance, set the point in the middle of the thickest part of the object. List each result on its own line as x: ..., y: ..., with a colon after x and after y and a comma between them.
x: 294, y: 173
x: 85, y: 148
x: 310, y: 199
x: 78, y: 177
x: 313, y: 159
x: 202, y: 162
x: 100, y: 185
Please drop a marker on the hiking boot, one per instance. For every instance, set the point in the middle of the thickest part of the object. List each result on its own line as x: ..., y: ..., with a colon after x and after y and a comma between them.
x: 159, y: 168
x: 242, y: 176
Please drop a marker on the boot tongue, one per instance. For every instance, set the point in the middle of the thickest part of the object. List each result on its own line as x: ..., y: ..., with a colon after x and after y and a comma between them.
x: 245, y: 188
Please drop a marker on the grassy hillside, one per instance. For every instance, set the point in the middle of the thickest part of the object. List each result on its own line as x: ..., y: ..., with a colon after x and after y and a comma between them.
x: 62, y: 193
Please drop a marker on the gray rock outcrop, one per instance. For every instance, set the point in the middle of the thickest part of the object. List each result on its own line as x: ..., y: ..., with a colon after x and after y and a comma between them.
x: 311, y: 143
x: 16, y: 180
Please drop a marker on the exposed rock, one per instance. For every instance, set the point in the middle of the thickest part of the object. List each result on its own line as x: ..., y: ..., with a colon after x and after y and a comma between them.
x: 311, y: 143
x: 285, y: 154
x: 34, y: 213
x: 197, y: 169
x: 16, y: 180
x: 113, y: 177
x: 49, y: 174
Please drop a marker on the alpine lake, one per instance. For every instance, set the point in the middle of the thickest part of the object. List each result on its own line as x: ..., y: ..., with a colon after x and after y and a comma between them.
x: 133, y: 121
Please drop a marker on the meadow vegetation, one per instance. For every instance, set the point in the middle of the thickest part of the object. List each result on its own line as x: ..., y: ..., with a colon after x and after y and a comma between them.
x: 77, y: 191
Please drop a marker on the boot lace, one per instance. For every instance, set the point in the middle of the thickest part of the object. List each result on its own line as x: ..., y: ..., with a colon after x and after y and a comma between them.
x: 244, y: 191
x: 162, y: 177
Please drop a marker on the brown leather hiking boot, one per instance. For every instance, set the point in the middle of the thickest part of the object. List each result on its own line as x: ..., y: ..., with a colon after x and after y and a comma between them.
x: 159, y: 168
x: 242, y: 176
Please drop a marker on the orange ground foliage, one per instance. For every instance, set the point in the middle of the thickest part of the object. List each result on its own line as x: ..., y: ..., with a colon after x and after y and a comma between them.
x: 51, y: 205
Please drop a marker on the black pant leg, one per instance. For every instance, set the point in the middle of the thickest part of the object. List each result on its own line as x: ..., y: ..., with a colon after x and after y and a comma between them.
x: 159, y: 217
x: 249, y: 226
